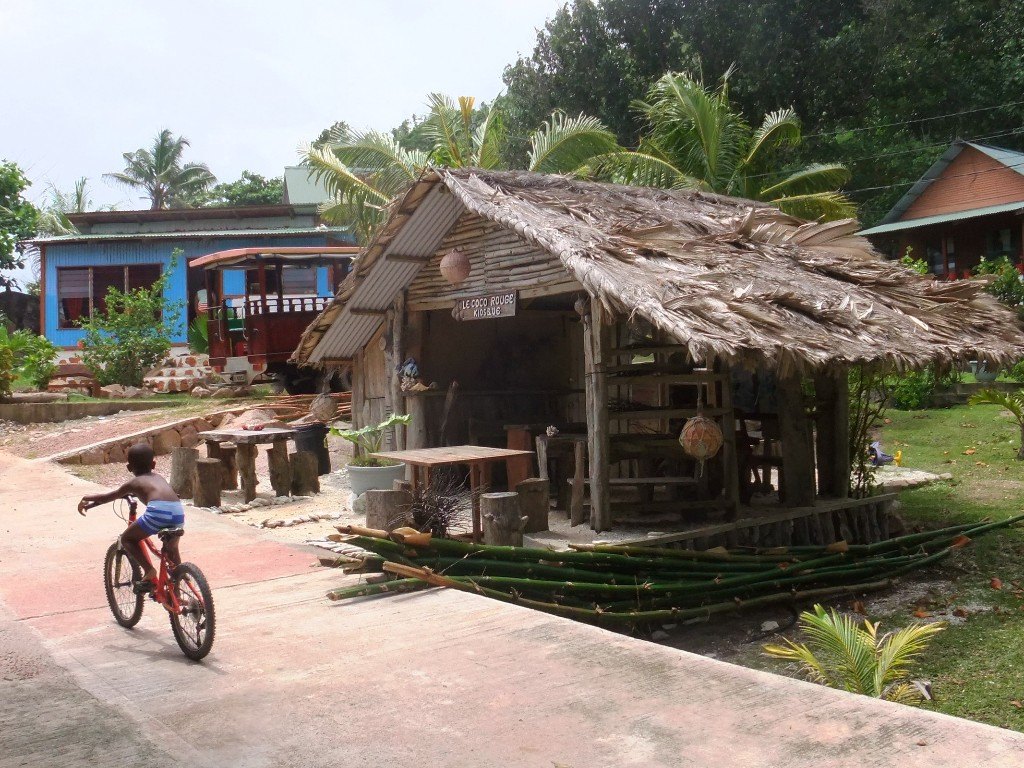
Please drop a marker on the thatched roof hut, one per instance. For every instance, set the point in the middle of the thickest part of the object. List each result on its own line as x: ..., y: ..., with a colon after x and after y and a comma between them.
x: 731, y: 279
x: 631, y: 312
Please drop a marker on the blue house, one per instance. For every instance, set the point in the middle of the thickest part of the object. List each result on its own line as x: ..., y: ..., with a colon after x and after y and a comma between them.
x: 131, y: 249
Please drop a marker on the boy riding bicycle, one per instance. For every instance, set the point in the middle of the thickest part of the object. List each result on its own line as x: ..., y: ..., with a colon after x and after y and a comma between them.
x: 163, y: 510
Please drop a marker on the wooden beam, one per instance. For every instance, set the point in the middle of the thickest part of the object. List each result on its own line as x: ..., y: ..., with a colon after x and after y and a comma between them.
x: 369, y: 312
x: 397, y: 350
x: 730, y: 458
x: 832, y: 447
x: 406, y: 257
x: 797, y: 482
x: 600, y: 508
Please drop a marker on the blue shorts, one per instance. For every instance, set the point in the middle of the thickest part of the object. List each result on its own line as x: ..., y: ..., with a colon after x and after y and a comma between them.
x: 160, y: 515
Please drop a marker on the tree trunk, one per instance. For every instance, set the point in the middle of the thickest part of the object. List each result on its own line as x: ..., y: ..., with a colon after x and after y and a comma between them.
x: 246, y: 455
x: 183, y: 467
x: 534, y: 503
x: 305, y: 480
x: 280, y: 469
x: 503, y: 524
x: 229, y: 465
x: 206, y: 483
x: 387, y: 510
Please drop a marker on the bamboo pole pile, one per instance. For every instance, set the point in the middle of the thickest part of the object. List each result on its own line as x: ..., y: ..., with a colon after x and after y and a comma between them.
x: 621, y: 585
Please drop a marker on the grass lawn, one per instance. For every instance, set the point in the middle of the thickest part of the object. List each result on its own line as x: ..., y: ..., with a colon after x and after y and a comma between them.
x: 977, y: 667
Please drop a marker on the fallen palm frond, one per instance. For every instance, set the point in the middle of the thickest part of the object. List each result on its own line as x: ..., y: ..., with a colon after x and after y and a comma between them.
x: 633, y: 584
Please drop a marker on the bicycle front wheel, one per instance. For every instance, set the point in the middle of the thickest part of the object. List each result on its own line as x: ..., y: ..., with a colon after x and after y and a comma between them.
x: 193, y: 626
x: 119, y: 576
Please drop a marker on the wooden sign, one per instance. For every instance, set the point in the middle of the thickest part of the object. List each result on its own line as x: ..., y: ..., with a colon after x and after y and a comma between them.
x: 486, y: 307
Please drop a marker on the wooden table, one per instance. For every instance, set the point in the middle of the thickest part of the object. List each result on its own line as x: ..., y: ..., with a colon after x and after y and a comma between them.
x: 478, y: 458
x: 246, y: 441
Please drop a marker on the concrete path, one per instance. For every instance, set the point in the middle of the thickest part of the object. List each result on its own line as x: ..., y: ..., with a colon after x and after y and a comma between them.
x: 428, y: 679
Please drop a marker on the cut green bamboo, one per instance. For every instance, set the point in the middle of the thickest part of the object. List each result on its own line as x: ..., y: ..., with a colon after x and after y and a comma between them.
x: 384, y: 588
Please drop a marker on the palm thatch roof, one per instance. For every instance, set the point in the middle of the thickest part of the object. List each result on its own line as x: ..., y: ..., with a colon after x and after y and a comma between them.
x: 728, y: 278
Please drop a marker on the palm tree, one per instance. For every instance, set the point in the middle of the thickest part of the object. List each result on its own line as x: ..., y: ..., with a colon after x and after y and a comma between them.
x: 53, y: 216
x: 160, y: 174
x: 696, y: 140
x: 1010, y: 401
x: 842, y: 655
x: 365, y: 171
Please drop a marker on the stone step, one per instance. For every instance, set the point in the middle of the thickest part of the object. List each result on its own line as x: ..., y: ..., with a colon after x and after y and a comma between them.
x: 170, y: 383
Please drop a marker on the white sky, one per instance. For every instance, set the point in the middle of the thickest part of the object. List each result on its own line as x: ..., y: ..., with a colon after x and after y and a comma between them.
x: 245, y: 82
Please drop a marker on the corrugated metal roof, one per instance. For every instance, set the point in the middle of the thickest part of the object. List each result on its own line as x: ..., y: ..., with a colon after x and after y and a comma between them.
x: 1012, y: 160
x: 419, y: 237
x: 942, y: 218
x: 198, y: 233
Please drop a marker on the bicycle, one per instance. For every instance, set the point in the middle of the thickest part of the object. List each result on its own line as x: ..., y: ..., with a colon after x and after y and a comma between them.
x: 182, y: 590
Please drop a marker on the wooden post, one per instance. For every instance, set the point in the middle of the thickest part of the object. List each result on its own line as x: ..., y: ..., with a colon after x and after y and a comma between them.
x: 730, y: 458
x: 358, y: 379
x: 397, y: 352
x: 280, y: 469
x: 183, y: 467
x: 206, y: 483
x: 534, y: 503
x: 798, y: 484
x: 387, y: 510
x: 600, y: 506
x: 578, y: 483
x: 401, y: 485
x: 832, y: 406
x: 416, y: 432
x: 305, y: 480
x: 503, y: 524
x: 229, y: 466
x: 246, y: 455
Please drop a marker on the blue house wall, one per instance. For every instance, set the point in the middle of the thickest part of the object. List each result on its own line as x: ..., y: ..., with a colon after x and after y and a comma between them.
x: 125, y: 252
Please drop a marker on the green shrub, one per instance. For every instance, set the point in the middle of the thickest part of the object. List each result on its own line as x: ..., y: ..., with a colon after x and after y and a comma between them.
x: 1017, y: 372
x: 1008, y: 285
x: 6, y: 370
x: 133, y: 335
x: 912, y: 390
x: 38, y: 361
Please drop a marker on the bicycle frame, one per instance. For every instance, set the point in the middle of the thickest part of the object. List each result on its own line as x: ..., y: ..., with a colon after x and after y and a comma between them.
x: 162, y: 592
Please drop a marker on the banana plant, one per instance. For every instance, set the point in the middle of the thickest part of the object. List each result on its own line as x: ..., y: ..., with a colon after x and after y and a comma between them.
x: 1010, y: 401
x: 840, y: 654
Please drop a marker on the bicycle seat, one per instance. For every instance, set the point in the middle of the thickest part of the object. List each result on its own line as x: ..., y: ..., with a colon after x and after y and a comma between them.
x: 170, y: 533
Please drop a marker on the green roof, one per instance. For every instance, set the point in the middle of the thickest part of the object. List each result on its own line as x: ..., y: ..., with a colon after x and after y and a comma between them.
x: 301, y: 189
x: 942, y: 218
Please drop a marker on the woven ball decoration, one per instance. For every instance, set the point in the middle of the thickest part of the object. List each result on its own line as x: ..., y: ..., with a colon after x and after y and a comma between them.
x: 701, y: 438
x: 455, y: 266
x: 323, y: 408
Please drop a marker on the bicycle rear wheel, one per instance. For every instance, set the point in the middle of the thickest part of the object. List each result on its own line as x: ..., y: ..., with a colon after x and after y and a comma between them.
x: 194, y: 626
x: 119, y: 576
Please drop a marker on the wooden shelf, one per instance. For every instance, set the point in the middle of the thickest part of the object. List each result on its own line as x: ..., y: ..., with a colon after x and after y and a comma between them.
x: 665, y: 413
x: 662, y: 378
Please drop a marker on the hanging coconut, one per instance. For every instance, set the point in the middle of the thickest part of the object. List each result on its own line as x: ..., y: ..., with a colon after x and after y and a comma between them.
x: 701, y: 438
x: 455, y: 266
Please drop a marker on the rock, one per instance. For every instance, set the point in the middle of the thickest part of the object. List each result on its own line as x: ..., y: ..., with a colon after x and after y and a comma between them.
x: 359, y: 505
x: 201, y: 391
x: 222, y: 392
x: 252, y: 418
x: 94, y: 456
x: 659, y: 635
x: 189, y: 436
x: 116, y: 453
x: 769, y: 626
x: 202, y: 425
x: 166, y: 441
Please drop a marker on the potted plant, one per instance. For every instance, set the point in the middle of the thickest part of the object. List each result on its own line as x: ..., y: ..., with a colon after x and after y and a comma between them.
x: 365, y: 471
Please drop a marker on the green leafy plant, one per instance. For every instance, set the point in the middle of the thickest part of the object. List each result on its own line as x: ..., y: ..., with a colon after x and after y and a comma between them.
x: 199, y: 336
x: 912, y: 390
x: 1010, y: 401
x: 6, y: 370
x: 842, y: 655
x: 917, y: 265
x: 133, y: 334
x: 1017, y: 371
x: 868, y: 401
x: 31, y: 357
x: 1007, y: 284
x: 368, y: 440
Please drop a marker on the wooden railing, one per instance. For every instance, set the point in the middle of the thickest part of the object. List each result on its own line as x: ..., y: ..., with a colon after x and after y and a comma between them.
x: 289, y: 304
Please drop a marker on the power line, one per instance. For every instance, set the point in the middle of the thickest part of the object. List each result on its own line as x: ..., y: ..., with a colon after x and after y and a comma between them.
x: 916, y: 120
